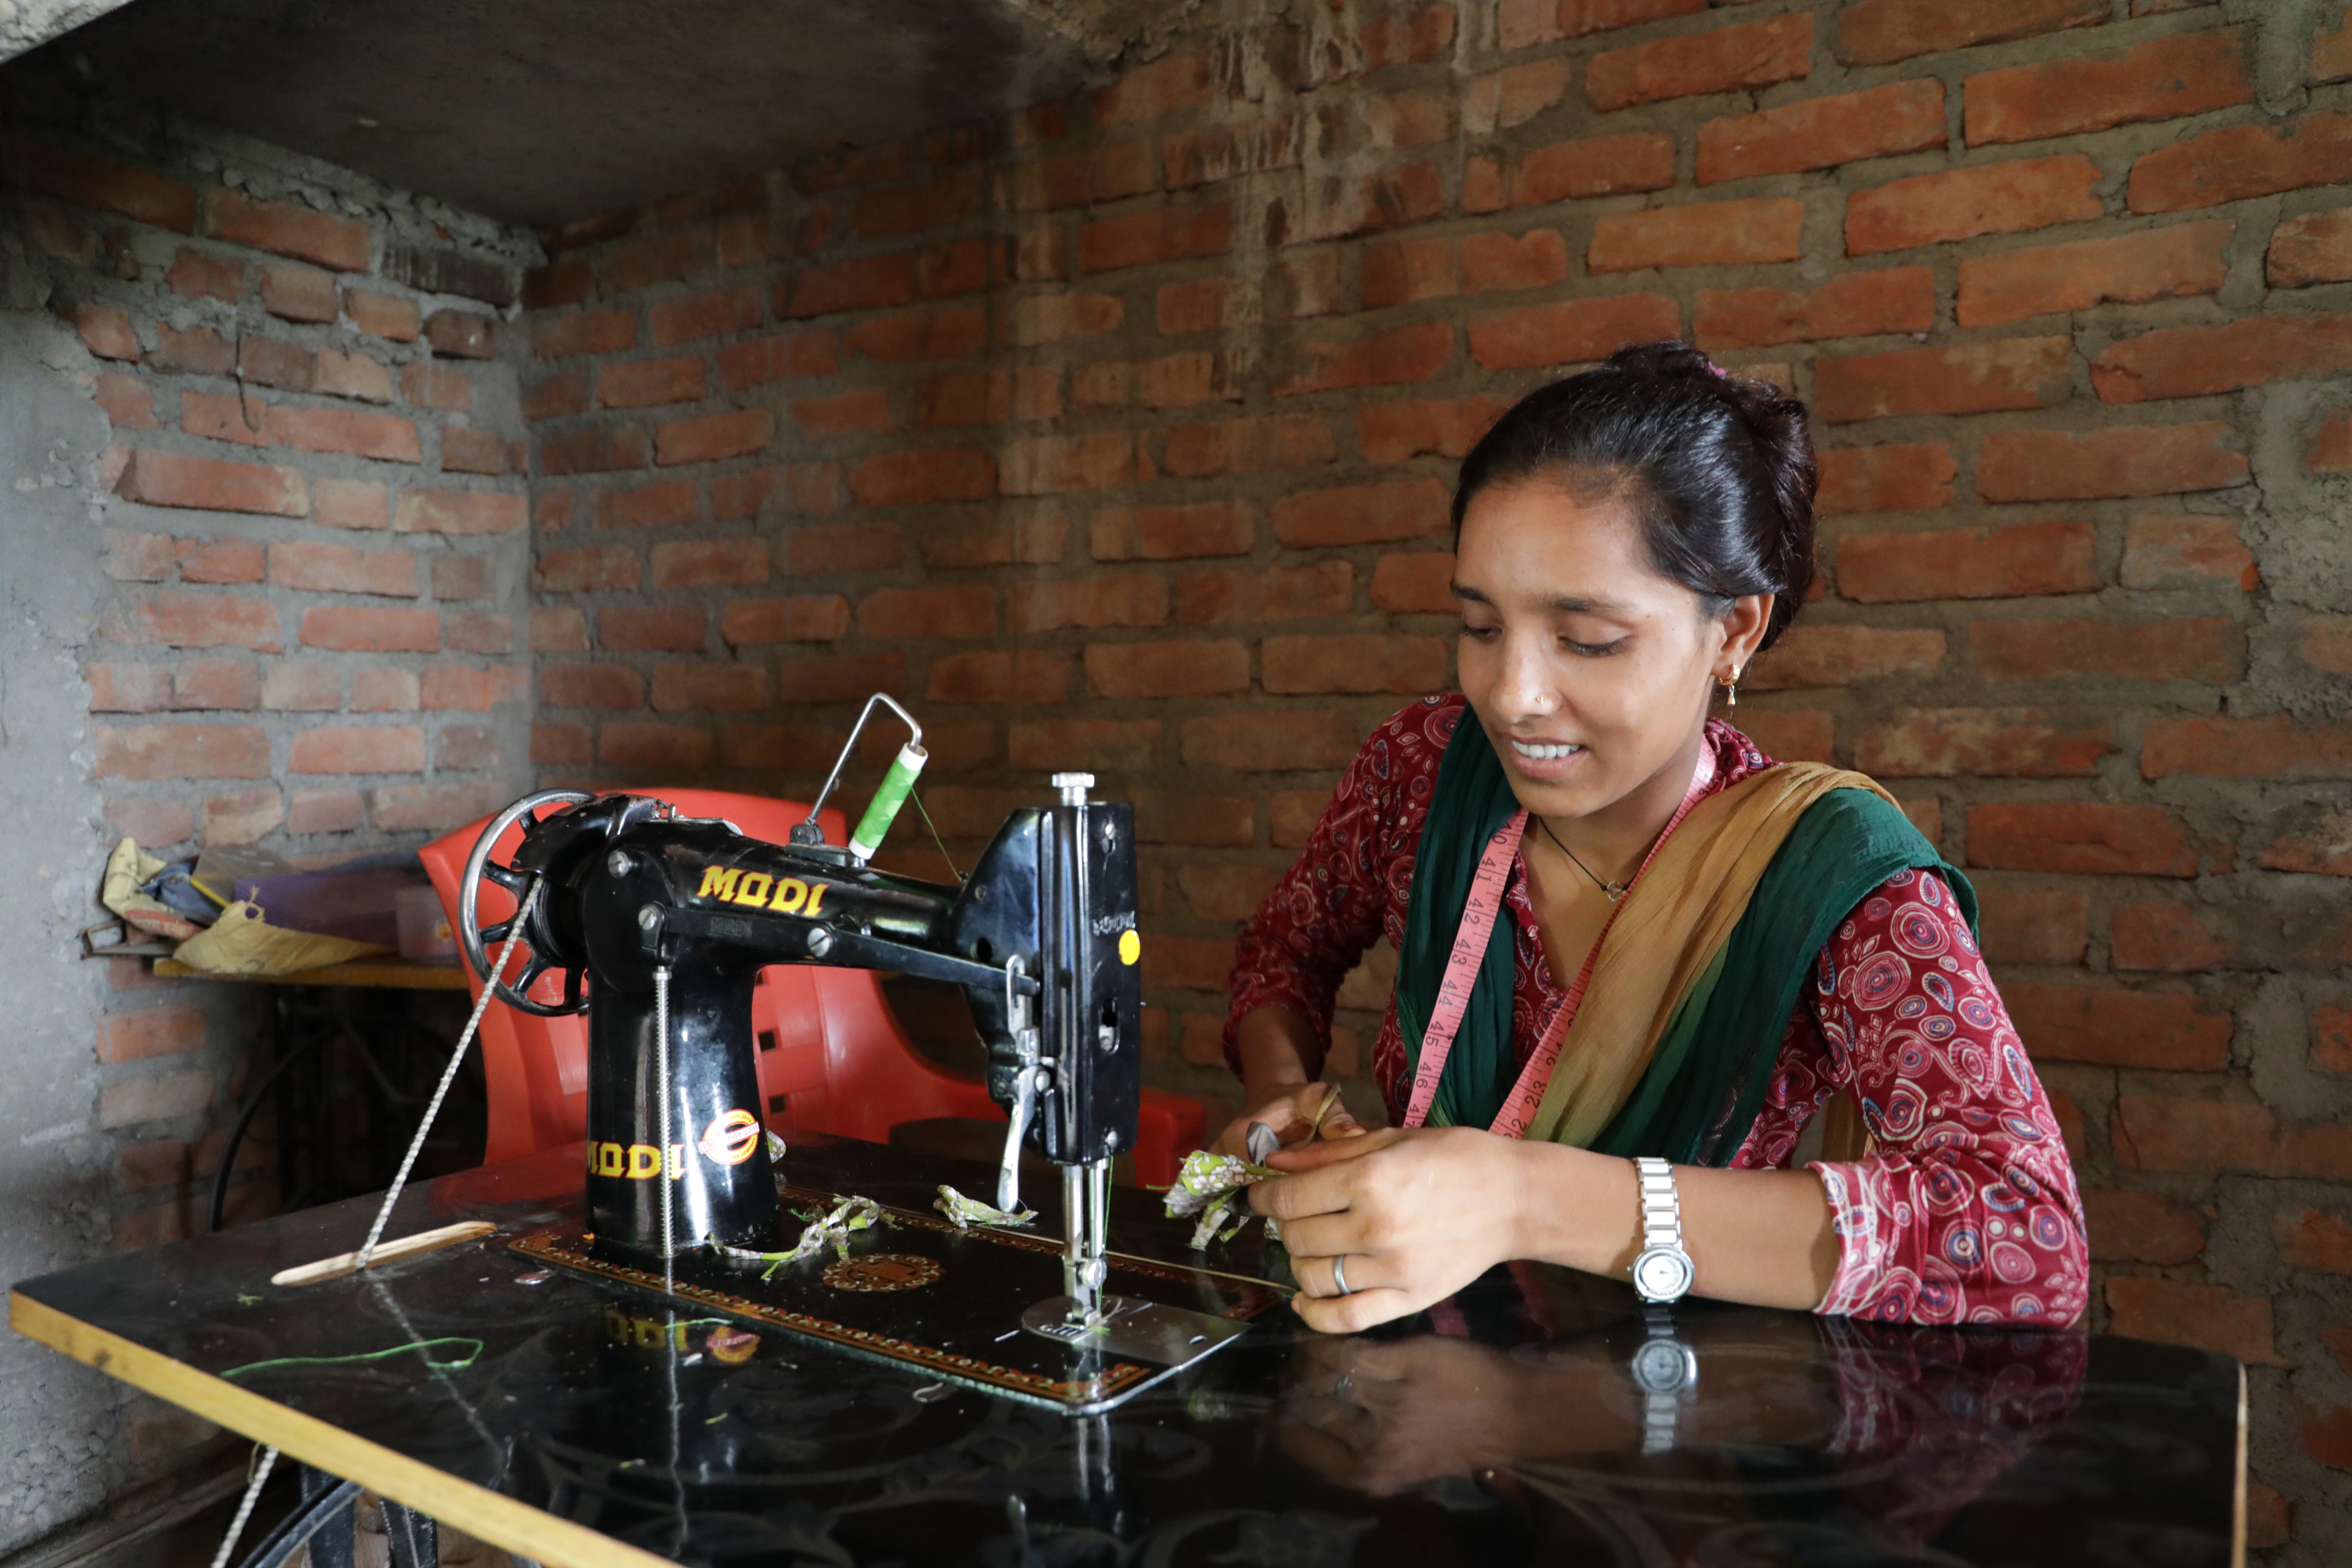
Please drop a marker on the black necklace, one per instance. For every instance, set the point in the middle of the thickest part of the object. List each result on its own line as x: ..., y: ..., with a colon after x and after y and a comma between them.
x: 1614, y: 891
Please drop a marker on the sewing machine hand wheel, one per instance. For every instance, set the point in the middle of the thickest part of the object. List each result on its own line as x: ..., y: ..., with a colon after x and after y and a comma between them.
x: 481, y: 944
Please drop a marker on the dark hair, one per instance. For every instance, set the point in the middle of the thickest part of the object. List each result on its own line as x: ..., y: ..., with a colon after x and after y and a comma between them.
x: 1719, y: 469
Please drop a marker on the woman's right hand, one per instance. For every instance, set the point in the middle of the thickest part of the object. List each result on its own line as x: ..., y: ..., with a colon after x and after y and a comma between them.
x: 1291, y: 1109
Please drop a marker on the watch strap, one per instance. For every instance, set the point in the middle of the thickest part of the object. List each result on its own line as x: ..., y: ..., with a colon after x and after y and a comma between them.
x: 1662, y: 1209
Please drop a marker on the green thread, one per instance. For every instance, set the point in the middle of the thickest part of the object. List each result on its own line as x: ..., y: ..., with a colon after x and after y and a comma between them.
x: 935, y: 837
x: 430, y: 1365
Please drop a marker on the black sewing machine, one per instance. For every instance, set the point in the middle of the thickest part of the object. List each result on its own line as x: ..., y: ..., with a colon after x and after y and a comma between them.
x: 658, y: 925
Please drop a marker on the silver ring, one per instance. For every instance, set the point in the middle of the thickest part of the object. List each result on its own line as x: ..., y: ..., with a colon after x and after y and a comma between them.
x: 1340, y: 1274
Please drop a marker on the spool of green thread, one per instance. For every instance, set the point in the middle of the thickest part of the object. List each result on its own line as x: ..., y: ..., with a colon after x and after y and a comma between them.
x: 883, y: 810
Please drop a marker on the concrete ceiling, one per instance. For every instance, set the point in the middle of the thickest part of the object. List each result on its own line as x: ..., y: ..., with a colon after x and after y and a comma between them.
x: 540, y: 112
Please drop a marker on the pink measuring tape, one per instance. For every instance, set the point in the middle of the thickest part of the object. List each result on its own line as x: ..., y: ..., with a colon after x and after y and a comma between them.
x: 1470, y: 939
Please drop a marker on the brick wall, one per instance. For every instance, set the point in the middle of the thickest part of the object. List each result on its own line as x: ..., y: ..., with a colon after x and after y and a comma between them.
x: 312, y: 524
x: 1119, y: 434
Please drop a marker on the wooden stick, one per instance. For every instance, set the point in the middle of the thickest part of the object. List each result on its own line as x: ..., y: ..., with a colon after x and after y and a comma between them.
x: 344, y: 1263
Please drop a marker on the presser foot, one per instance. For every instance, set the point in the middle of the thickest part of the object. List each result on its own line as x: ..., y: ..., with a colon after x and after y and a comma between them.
x: 1133, y: 1330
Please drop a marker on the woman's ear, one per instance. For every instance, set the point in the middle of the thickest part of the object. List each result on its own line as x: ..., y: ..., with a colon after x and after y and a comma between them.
x: 1743, y: 633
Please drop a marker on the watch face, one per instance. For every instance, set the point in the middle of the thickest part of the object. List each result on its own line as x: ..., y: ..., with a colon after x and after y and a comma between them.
x: 1661, y: 1367
x: 1661, y: 1276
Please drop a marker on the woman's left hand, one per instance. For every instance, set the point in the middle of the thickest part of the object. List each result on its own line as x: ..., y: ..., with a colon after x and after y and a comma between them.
x: 1413, y: 1216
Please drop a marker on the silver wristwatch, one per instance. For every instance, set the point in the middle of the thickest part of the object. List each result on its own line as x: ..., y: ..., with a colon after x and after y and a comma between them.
x: 1663, y: 1272
x: 1667, y: 1371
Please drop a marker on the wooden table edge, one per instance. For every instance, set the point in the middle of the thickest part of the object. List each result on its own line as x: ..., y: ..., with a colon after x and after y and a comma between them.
x: 479, y: 1511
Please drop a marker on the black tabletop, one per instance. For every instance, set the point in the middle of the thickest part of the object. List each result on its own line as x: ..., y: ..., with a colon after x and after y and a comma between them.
x: 1505, y: 1426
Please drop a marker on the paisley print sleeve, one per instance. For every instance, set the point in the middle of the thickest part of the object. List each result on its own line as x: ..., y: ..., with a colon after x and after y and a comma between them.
x: 1328, y: 908
x: 1966, y: 1210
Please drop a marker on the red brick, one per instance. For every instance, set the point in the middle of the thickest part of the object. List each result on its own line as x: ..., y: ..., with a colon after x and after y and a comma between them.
x: 918, y: 479
x: 607, y: 686
x: 801, y: 618
x: 2163, y: 263
x: 559, y: 631
x: 1283, y: 742
x: 1289, y: 594
x: 355, y: 375
x: 1146, y: 92
x: 738, y: 563
x: 966, y: 612
x: 554, y: 396
x: 659, y: 746
x: 838, y: 677
x: 1727, y: 60
x: 461, y: 512
x: 1822, y: 132
x: 151, y: 1032
x: 2077, y: 836
x: 1880, y: 32
x: 1886, y: 478
x: 181, y: 752
x: 1051, y: 465
x: 2155, y: 1133
x: 868, y: 283
x: 1989, y: 742
x: 596, y: 449
x: 642, y: 263
x: 1216, y: 153
x: 731, y: 688
x: 2273, y: 748
x: 1101, y: 744
x: 1103, y: 599
x: 1407, y: 354
x: 2158, y: 1030
x: 1362, y: 514
x: 1497, y: 100
x: 1025, y: 677
x: 1703, y: 234
x: 220, y: 560
x: 2242, y: 160
x: 320, y: 567
x: 1595, y: 166
x: 911, y: 335
x: 154, y: 823
x: 99, y: 183
x: 584, y: 332
x: 1519, y: 23
x: 653, y: 629
x: 2327, y: 643
x: 128, y: 688
x: 384, y: 436
x: 845, y: 547
x: 1989, y: 198
x: 2117, y: 461
x: 1416, y: 583
x: 382, y: 315
x: 1164, y: 233
x: 366, y: 630
x: 2314, y: 247
x: 224, y: 416
x: 1964, y: 378
x: 467, y: 451
x: 301, y: 688
x: 207, y: 620
x: 1969, y: 562
x: 202, y: 275
x: 1536, y: 259
x: 477, y: 631
x: 663, y: 504
x: 714, y: 437
x: 1840, y: 655
x: 1165, y: 668
x: 2331, y: 444
x: 1173, y: 532
x: 2207, y: 650
x: 647, y: 383
x: 1859, y: 304
x: 2186, y: 553
x: 964, y: 267
x: 2033, y: 928
x: 2141, y: 1227
x: 2203, y: 1317
x: 1020, y: 393
x: 929, y: 203
x: 844, y: 413
x: 998, y: 537
x: 136, y: 557
x: 2197, y: 362
x: 2164, y: 78
x: 466, y: 689
x: 1105, y: 174
x: 209, y: 484
x: 1404, y: 666
x: 2306, y: 1238
x: 230, y: 684
x: 286, y: 230
x: 1340, y: 207
x: 128, y: 402
x: 1248, y: 446
x: 1403, y: 271
x: 436, y: 808
x: 199, y: 351
x: 2163, y: 936
x: 1572, y: 332
x: 700, y: 316
x: 299, y: 293
x: 1396, y: 432
x: 244, y: 816
x: 1202, y: 306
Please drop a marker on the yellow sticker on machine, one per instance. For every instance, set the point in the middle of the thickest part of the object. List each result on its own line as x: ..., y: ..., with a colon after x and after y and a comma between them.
x: 1130, y: 946
x: 759, y: 890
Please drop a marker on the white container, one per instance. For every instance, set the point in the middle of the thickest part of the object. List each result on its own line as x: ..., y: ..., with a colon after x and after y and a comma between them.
x: 424, y: 933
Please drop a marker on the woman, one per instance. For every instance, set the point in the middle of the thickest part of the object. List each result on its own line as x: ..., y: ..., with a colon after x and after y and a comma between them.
x: 1624, y: 934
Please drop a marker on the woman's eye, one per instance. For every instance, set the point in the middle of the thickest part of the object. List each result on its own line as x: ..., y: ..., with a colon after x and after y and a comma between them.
x: 1481, y: 633
x: 1591, y: 649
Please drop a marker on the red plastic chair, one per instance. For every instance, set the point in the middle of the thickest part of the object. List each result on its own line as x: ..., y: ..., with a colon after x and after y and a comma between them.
x: 832, y: 1056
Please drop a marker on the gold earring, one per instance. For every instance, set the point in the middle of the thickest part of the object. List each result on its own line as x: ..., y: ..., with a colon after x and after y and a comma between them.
x: 1731, y: 689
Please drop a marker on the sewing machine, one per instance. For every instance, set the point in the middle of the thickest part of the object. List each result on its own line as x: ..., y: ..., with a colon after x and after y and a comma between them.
x: 659, y: 924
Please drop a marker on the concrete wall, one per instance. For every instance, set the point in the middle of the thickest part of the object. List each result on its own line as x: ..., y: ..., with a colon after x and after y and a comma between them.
x: 1119, y: 434
x: 263, y: 557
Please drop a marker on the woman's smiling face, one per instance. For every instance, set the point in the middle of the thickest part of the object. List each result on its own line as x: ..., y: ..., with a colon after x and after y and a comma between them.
x: 1590, y: 670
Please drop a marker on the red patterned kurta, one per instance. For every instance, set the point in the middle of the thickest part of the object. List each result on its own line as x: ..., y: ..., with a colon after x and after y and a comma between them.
x: 1967, y: 1212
